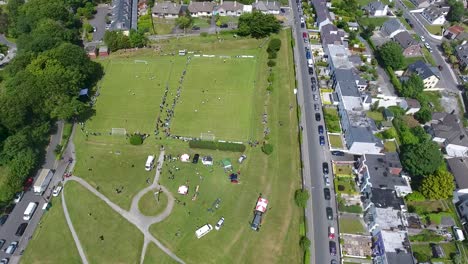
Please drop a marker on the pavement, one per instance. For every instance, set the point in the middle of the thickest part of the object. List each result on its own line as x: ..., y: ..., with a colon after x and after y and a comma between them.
x: 312, y: 156
x: 8, y: 230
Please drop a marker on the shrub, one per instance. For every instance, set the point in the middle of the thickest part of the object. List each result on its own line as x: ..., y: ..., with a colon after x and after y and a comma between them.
x: 58, y: 149
x: 415, y: 196
x: 274, y: 45
x: 270, y: 89
x: 271, y: 77
x: 226, y: 146
x: 341, y: 188
x: 271, y: 63
x: 272, y: 55
x: 304, y: 242
x: 421, y: 257
x: 204, y: 34
x: 267, y: 148
x: 300, y: 197
x: 136, y: 139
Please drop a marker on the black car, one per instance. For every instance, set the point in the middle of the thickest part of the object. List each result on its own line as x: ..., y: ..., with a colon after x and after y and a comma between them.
x: 313, y: 80
x: 317, y: 117
x: 195, y: 158
x: 326, y: 193
x: 302, y: 25
x: 325, y: 168
x: 314, y: 88
x: 322, y: 141
x: 316, y: 107
x: 329, y: 213
x: 195, y: 28
x: 332, y: 246
x: 3, y: 219
x: 337, y: 153
x: 306, y: 49
x: 311, y: 70
x: 320, y: 129
x: 257, y: 220
x: 224, y: 25
x: 2, y: 242
x: 21, y: 228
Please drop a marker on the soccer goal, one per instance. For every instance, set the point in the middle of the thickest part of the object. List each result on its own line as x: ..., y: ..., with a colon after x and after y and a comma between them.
x: 207, y: 136
x: 140, y: 61
x: 119, y: 131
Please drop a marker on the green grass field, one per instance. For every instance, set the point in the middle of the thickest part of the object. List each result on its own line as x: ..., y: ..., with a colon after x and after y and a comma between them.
x: 149, y: 205
x: 350, y: 225
x: 335, y: 141
x: 156, y: 255
x: 377, y: 21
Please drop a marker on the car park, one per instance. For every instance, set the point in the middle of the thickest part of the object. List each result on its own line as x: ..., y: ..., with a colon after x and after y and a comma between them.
x: 21, y: 229
x: 326, y: 193
x: 320, y: 129
x: 331, y: 232
x: 3, y: 219
x: 332, y: 245
x: 325, y: 167
x: 329, y: 212
x: 219, y: 224
x: 322, y: 141
x: 57, y: 191
x: 337, y: 153
x: 2, y: 242
x: 317, y: 117
x: 316, y: 107
x: 18, y: 197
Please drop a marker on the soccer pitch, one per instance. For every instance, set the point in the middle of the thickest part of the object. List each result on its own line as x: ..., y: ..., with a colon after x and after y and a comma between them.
x: 217, y: 98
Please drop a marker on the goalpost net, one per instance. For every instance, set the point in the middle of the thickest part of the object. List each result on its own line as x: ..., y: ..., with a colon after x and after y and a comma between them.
x: 119, y: 131
x: 141, y: 61
x: 207, y: 136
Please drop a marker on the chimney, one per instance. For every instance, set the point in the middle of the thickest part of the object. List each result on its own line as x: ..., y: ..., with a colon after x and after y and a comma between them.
x: 256, y: 1
x: 221, y: 2
x: 235, y: 3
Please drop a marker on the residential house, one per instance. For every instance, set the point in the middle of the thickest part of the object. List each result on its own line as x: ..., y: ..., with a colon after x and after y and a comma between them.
x: 429, y: 75
x: 376, y: 9
x: 91, y: 51
x: 322, y: 16
x: 453, y: 31
x: 413, y: 106
x: 462, y: 36
x: 268, y: 7
x: 338, y: 57
x: 201, y: 9
x: 391, y: 247
x: 166, y: 9
x: 446, y: 130
x: 462, y: 55
x: 392, y: 27
x: 103, y: 51
x: 229, y: 8
x: 329, y: 34
x: 458, y: 167
x: 435, y: 14
x: 124, y: 15
x: 410, y: 46
x: 421, y: 3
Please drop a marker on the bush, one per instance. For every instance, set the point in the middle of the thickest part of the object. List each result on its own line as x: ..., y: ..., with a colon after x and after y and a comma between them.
x: 271, y: 63
x: 58, y: 149
x: 204, y: 34
x: 393, y: 79
x: 341, y: 188
x: 304, y: 242
x: 226, y: 146
x: 415, y: 196
x: 300, y: 197
x: 267, y: 149
x: 270, y: 89
x: 271, y: 77
x: 421, y: 257
x: 136, y: 139
x: 272, y: 55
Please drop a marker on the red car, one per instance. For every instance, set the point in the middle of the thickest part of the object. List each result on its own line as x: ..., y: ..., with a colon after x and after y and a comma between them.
x: 331, y: 232
x: 28, y: 183
x: 304, y: 35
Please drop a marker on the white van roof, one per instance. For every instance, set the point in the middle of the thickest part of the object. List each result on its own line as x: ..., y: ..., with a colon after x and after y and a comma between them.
x: 203, y: 230
x: 149, y: 160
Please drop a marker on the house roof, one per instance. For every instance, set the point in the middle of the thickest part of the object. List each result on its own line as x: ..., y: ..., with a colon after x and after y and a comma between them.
x: 321, y: 11
x: 421, y: 69
x: 195, y: 7
x: 384, y: 170
x: 449, y: 128
x: 103, y: 49
x: 375, y: 6
x: 122, y: 14
x: 458, y: 167
x: 166, y: 8
x: 347, y: 82
x: 462, y: 53
x: 266, y: 6
x: 386, y: 198
x: 455, y: 29
x: 338, y: 55
x: 231, y: 6
x: 433, y: 11
x: 392, y: 25
x: 405, y: 39
x: 420, y: 1
x: 387, y: 113
x: 330, y: 35
x: 364, y: 134
x: 413, y: 103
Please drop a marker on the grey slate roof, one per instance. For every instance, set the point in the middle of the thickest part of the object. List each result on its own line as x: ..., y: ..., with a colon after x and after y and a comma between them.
x: 364, y: 134
x: 434, y: 11
x: 459, y: 168
x: 384, y: 170
x: 392, y: 25
x: 231, y: 6
x: 399, y: 257
x: 375, y: 6
x: 405, y: 39
x: 347, y: 81
x: 266, y: 6
x: 122, y: 15
x: 166, y: 8
x: 385, y: 198
x: 321, y: 11
x: 462, y: 54
x: 195, y: 7
x: 412, y: 103
x: 421, y: 69
x: 448, y: 126
x: 329, y: 35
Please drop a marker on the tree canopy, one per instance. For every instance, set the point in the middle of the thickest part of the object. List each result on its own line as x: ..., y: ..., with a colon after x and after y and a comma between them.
x: 421, y: 159
x: 456, y: 11
x: 257, y: 24
x: 439, y: 185
x: 391, y: 55
x: 413, y: 86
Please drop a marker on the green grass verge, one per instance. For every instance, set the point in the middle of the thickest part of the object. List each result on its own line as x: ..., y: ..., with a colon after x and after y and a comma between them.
x: 155, y: 255
x: 434, y: 98
x: 390, y: 146
x: 428, y: 56
x: 201, y: 22
x: 375, y: 115
x: 228, y: 19
x: 163, y: 26
x: 403, y: 21
x: 106, y: 237
x: 434, y: 29
x: 351, y: 226
x: 149, y: 205
x: 52, y: 241
x: 332, y: 121
x: 408, y: 4
x: 335, y: 141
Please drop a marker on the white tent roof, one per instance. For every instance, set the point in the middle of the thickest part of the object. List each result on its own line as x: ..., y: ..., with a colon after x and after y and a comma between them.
x: 183, y: 189
x: 262, y: 205
x: 184, y: 157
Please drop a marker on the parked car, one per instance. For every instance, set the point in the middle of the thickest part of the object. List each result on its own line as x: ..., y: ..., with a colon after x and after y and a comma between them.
x: 242, y: 158
x: 314, y: 88
x: 195, y: 158
x: 3, y: 219
x: 28, y: 183
x: 332, y: 245
x: 313, y: 80
x: 316, y: 107
x: 2, y: 242
x: 320, y: 129
x: 331, y: 232
x: 326, y: 180
x: 337, y: 153
x: 195, y: 28
x: 57, y: 191
x: 9, y: 208
x: 322, y: 141
x: 18, y: 197
x: 219, y: 224
x: 304, y: 35
x: 12, y: 247
x: 4, y: 261
x: 423, y: 39
x: 317, y: 117
x: 21, y: 228
x: 333, y: 261
x: 326, y: 193
x: 325, y: 167
x: 315, y: 97
x: 329, y: 211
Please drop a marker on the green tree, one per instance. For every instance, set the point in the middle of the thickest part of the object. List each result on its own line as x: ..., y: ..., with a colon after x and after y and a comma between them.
x: 267, y: 148
x: 422, y: 257
x: 368, y: 31
x: 415, y: 196
x: 420, y: 133
x: 304, y: 242
x: 137, y: 39
x: 448, y: 50
x: 421, y: 159
x: 456, y: 11
x: 301, y: 197
x: 116, y: 40
x: 438, y: 186
x: 391, y: 55
x: 274, y: 45
x: 184, y: 22
x: 412, y: 87
x: 87, y: 11
x: 258, y: 25
x: 424, y: 115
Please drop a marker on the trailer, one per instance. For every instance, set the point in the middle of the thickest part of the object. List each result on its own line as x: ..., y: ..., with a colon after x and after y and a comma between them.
x: 42, y: 181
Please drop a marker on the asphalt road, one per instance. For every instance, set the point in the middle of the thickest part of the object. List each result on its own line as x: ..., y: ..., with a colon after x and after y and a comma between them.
x: 312, y: 155
x: 8, y: 230
x: 99, y: 22
x: 448, y: 78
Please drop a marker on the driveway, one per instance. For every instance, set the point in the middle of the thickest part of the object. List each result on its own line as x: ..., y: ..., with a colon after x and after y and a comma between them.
x: 99, y: 22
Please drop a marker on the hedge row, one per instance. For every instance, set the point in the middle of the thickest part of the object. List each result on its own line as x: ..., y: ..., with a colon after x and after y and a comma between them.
x: 393, y: 79
x: 235, y: 147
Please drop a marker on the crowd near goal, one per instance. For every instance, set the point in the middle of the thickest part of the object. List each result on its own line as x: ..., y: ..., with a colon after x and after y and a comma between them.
x: 207, y: 136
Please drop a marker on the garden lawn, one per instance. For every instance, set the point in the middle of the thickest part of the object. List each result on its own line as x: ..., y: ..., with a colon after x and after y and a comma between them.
x: 411, y: 60
x: 52, y: 241
x: 163, y: 26
x: 343, y: 170
x: 377, y: 21
x: 434, y: 29
x: 201, y: 22
x: 275, y: 176
x: 106, y: 237
x: 335, y: 141
x: 332, y: 121
x: 375, y: 115
x: 350, y: 225
x: 155, y: 255
x: 149, y: 205
x: 390, y: 146
x: 408, y: 4
x: 345, y: 185
x: 434, y: 98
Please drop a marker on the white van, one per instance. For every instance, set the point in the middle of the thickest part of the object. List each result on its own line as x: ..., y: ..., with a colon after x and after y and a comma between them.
x: 203, y: 230
x: 149, y: 163
x: 28, y: 213
x: 458, y: 234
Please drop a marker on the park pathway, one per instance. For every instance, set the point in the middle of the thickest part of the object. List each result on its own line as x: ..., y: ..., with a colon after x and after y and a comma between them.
x: 134, y: 216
